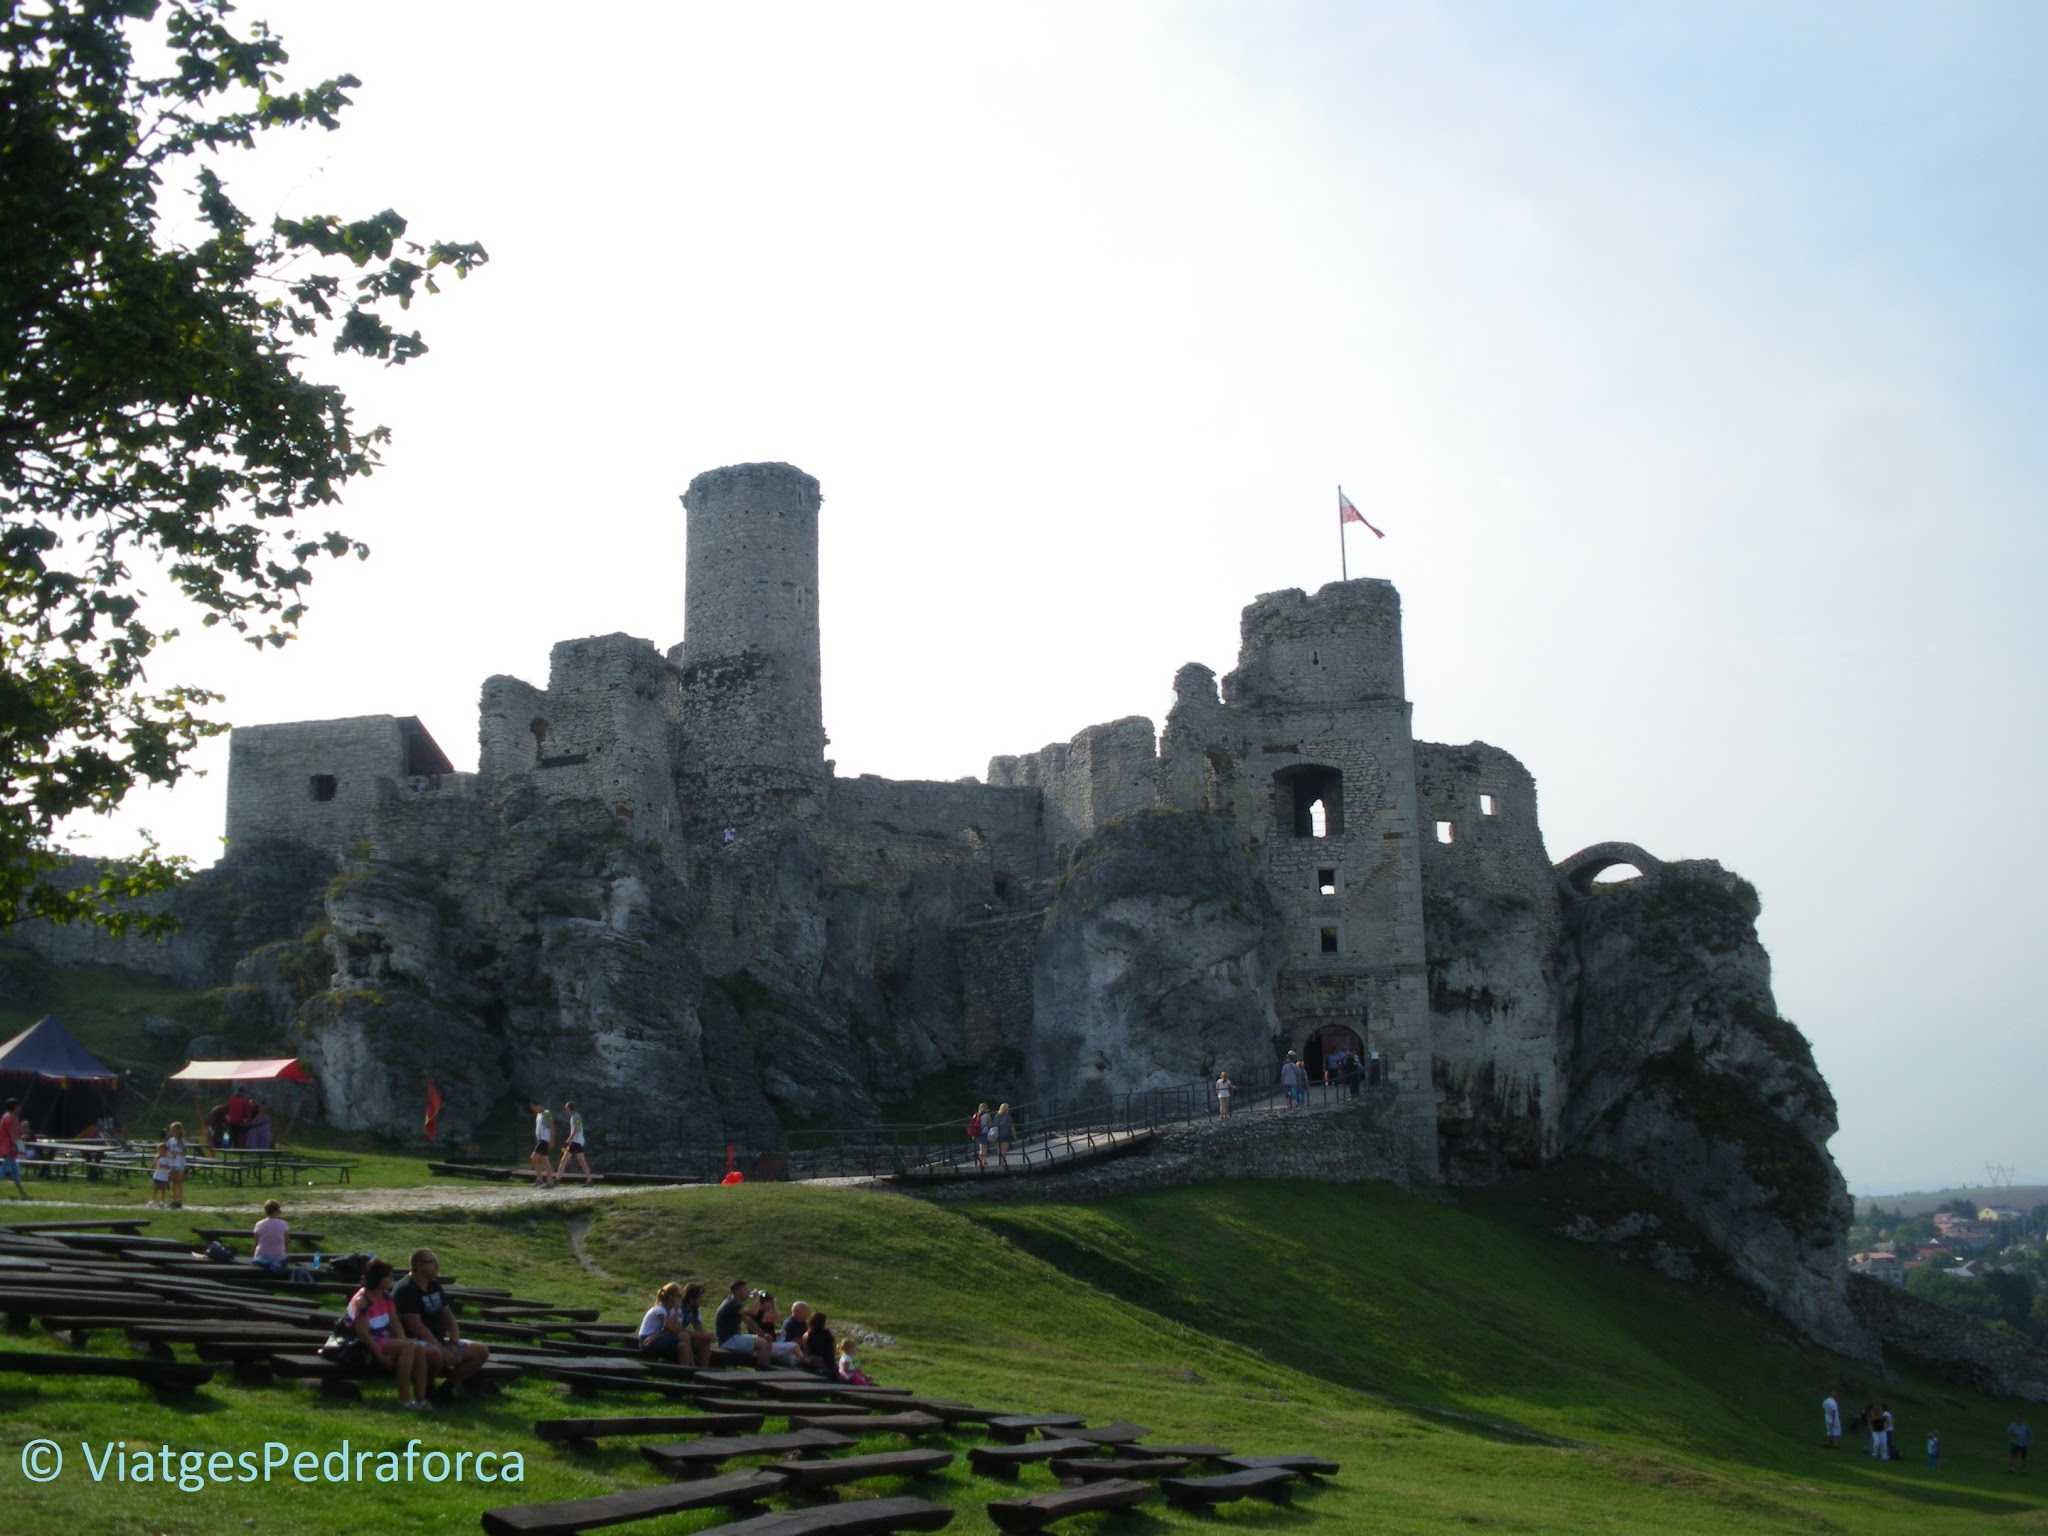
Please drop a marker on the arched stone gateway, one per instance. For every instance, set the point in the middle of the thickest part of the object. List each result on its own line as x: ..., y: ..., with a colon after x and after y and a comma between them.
x: 1588, y: 864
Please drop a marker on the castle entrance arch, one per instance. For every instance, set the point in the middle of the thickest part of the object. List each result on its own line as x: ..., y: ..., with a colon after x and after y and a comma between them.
x: 1323, y: 1050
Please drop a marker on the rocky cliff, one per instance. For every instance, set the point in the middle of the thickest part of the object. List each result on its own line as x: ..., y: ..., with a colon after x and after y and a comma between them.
x: 1156, y: 963
x: 1680, y: 1069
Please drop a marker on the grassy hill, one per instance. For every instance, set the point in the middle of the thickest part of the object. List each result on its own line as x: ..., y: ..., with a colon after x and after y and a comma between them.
x: 1467, y: 1367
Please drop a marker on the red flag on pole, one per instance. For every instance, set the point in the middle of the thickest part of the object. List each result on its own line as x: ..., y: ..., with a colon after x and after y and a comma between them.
x: 434, y: 1105
x: 1347, y: 513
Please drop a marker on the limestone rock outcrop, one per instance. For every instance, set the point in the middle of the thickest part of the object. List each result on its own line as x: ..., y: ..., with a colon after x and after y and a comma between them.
x: 1681, y: 1070
x: 1157, y: 961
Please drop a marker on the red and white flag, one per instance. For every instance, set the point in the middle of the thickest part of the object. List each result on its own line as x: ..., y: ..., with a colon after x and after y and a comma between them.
x: 1347, y: 513
x: 435, y: 1103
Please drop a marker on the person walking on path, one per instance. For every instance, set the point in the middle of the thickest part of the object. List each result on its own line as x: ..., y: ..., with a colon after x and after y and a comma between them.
x: 2018, y: 1436
x: 10, y: 1146
x: 1224, y: 1089
x: 544, y: 1176
x: 1290, y: 1080
x: 1831, y: 1422
x: 1005, y: 1133
x: 575, y: 1147
x: 977, y: 1132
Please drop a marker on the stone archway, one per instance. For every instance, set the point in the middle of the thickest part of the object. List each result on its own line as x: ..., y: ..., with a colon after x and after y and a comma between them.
x: 1324, y: 1043
x: 1588, y: 864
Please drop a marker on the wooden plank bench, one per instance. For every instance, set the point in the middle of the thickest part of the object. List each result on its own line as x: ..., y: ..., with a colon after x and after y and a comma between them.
x: 712, y: 1449
x: 1196, y: 1451
x: 1004, y: 1460
x: 861, y: 1517
x: 133, y: 1224
x: 583, y: 1433
x: 830, y: 1471
x: 229, y: 1234
x: 1273, y: 1484
x: 736, y: 1490
x: 1301, y: 1466
x: 950, y: 1412
x: 1039, y: 1511
x: 912, y: 1424
x: 521, y: 1311
x: 1084, y: 1469
x: 1122, y: 1432
x: 1015, y: 1428
x: 164, y: 1375
x: 782, y: 1407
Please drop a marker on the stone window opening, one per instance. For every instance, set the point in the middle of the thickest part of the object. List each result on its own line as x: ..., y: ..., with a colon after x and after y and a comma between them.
x: 1326, y: 882
x: 1446, y: 832
x: 1327, y: 941
x: 1309, y: 801
x: 322, y: 787
x: 540, y: 738
x: 1486, y: 805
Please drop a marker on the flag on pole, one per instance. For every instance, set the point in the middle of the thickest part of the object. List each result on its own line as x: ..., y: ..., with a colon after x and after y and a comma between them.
x: 434, y: 1106
x: 1347, y: 513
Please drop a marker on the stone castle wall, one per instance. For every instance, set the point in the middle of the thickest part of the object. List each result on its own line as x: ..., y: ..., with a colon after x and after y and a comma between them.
x: 313, y: 781
x: 1107, y: 772
x: 1493, y: 927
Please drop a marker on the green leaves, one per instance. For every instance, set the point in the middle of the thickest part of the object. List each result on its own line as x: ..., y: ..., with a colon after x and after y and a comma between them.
x: 151, y: 408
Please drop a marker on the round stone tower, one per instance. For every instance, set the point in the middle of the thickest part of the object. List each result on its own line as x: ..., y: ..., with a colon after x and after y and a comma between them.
x: 753, y: 718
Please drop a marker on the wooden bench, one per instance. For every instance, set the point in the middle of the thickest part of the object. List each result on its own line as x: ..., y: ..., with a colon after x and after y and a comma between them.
x: 1015, y: 1428
x: 1036, y: 1513
x: 521, y: 1311
x: 1122, y: 1432
x: 1197, y: 1451
x: 828, y: 1472
x: 229, y: 1234
x: 912, y: 1424
x: 1141, y: 1468
x: 1301, y: 1466
x: 950, y: 1412
x: 1004, y: 1460
x: 862, y: 1517
x: 583, y: 1433
x: 783, y: 1408
x: 1273, y: 1484
x: 712, y: 1449
x: 164, y: 1375
x: 736, y: 1490
x: 128, y: 1224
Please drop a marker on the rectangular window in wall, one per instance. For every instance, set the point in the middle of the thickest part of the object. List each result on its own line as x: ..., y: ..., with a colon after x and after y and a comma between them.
x: 1486, y: 805
x: 1445, y: 832
x: 1329, y: 941
x: 1326, y: 882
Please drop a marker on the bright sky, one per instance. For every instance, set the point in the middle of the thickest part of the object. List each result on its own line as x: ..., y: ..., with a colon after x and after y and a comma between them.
x: 1691, y: 356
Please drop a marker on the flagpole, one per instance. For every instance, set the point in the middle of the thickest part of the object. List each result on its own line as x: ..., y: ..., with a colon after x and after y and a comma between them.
x: 1343, y: 550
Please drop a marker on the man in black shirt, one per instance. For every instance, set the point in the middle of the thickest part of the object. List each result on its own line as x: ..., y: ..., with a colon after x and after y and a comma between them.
x: 731, y: 1328
x: 428, y: 1317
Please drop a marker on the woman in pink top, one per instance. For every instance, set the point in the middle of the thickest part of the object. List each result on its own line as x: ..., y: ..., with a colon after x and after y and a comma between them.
x: 371, y: 1336
x: 273, y: 1238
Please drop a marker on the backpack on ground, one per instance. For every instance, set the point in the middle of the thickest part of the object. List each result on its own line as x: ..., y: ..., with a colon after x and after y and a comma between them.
x: 219, y: 1252
x: 349, y: 1267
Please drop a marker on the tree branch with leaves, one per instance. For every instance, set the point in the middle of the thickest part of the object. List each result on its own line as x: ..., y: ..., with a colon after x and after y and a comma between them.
x: 154, y: 421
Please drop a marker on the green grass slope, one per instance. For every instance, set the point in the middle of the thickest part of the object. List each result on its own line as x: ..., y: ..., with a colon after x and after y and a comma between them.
x: 1466, y: 1367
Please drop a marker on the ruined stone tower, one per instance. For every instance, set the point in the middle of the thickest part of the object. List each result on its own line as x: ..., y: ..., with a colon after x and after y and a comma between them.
x: 753, y: 737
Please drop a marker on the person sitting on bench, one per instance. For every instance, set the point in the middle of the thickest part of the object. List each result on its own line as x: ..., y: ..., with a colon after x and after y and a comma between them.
x: 694, y: 1331
x: 821, y: 1351
x: 735, y: 1330
x: 767, y: 1322
x: 273, y: 1239
x: 368, y: 1337
x: 429, y: 1317
x: 662, y: 1336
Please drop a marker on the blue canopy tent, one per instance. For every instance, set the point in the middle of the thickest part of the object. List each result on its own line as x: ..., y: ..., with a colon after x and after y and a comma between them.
x: 62, y: 1086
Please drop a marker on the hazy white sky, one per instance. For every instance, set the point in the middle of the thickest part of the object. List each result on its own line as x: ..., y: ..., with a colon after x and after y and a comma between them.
x: 1691, y: 357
